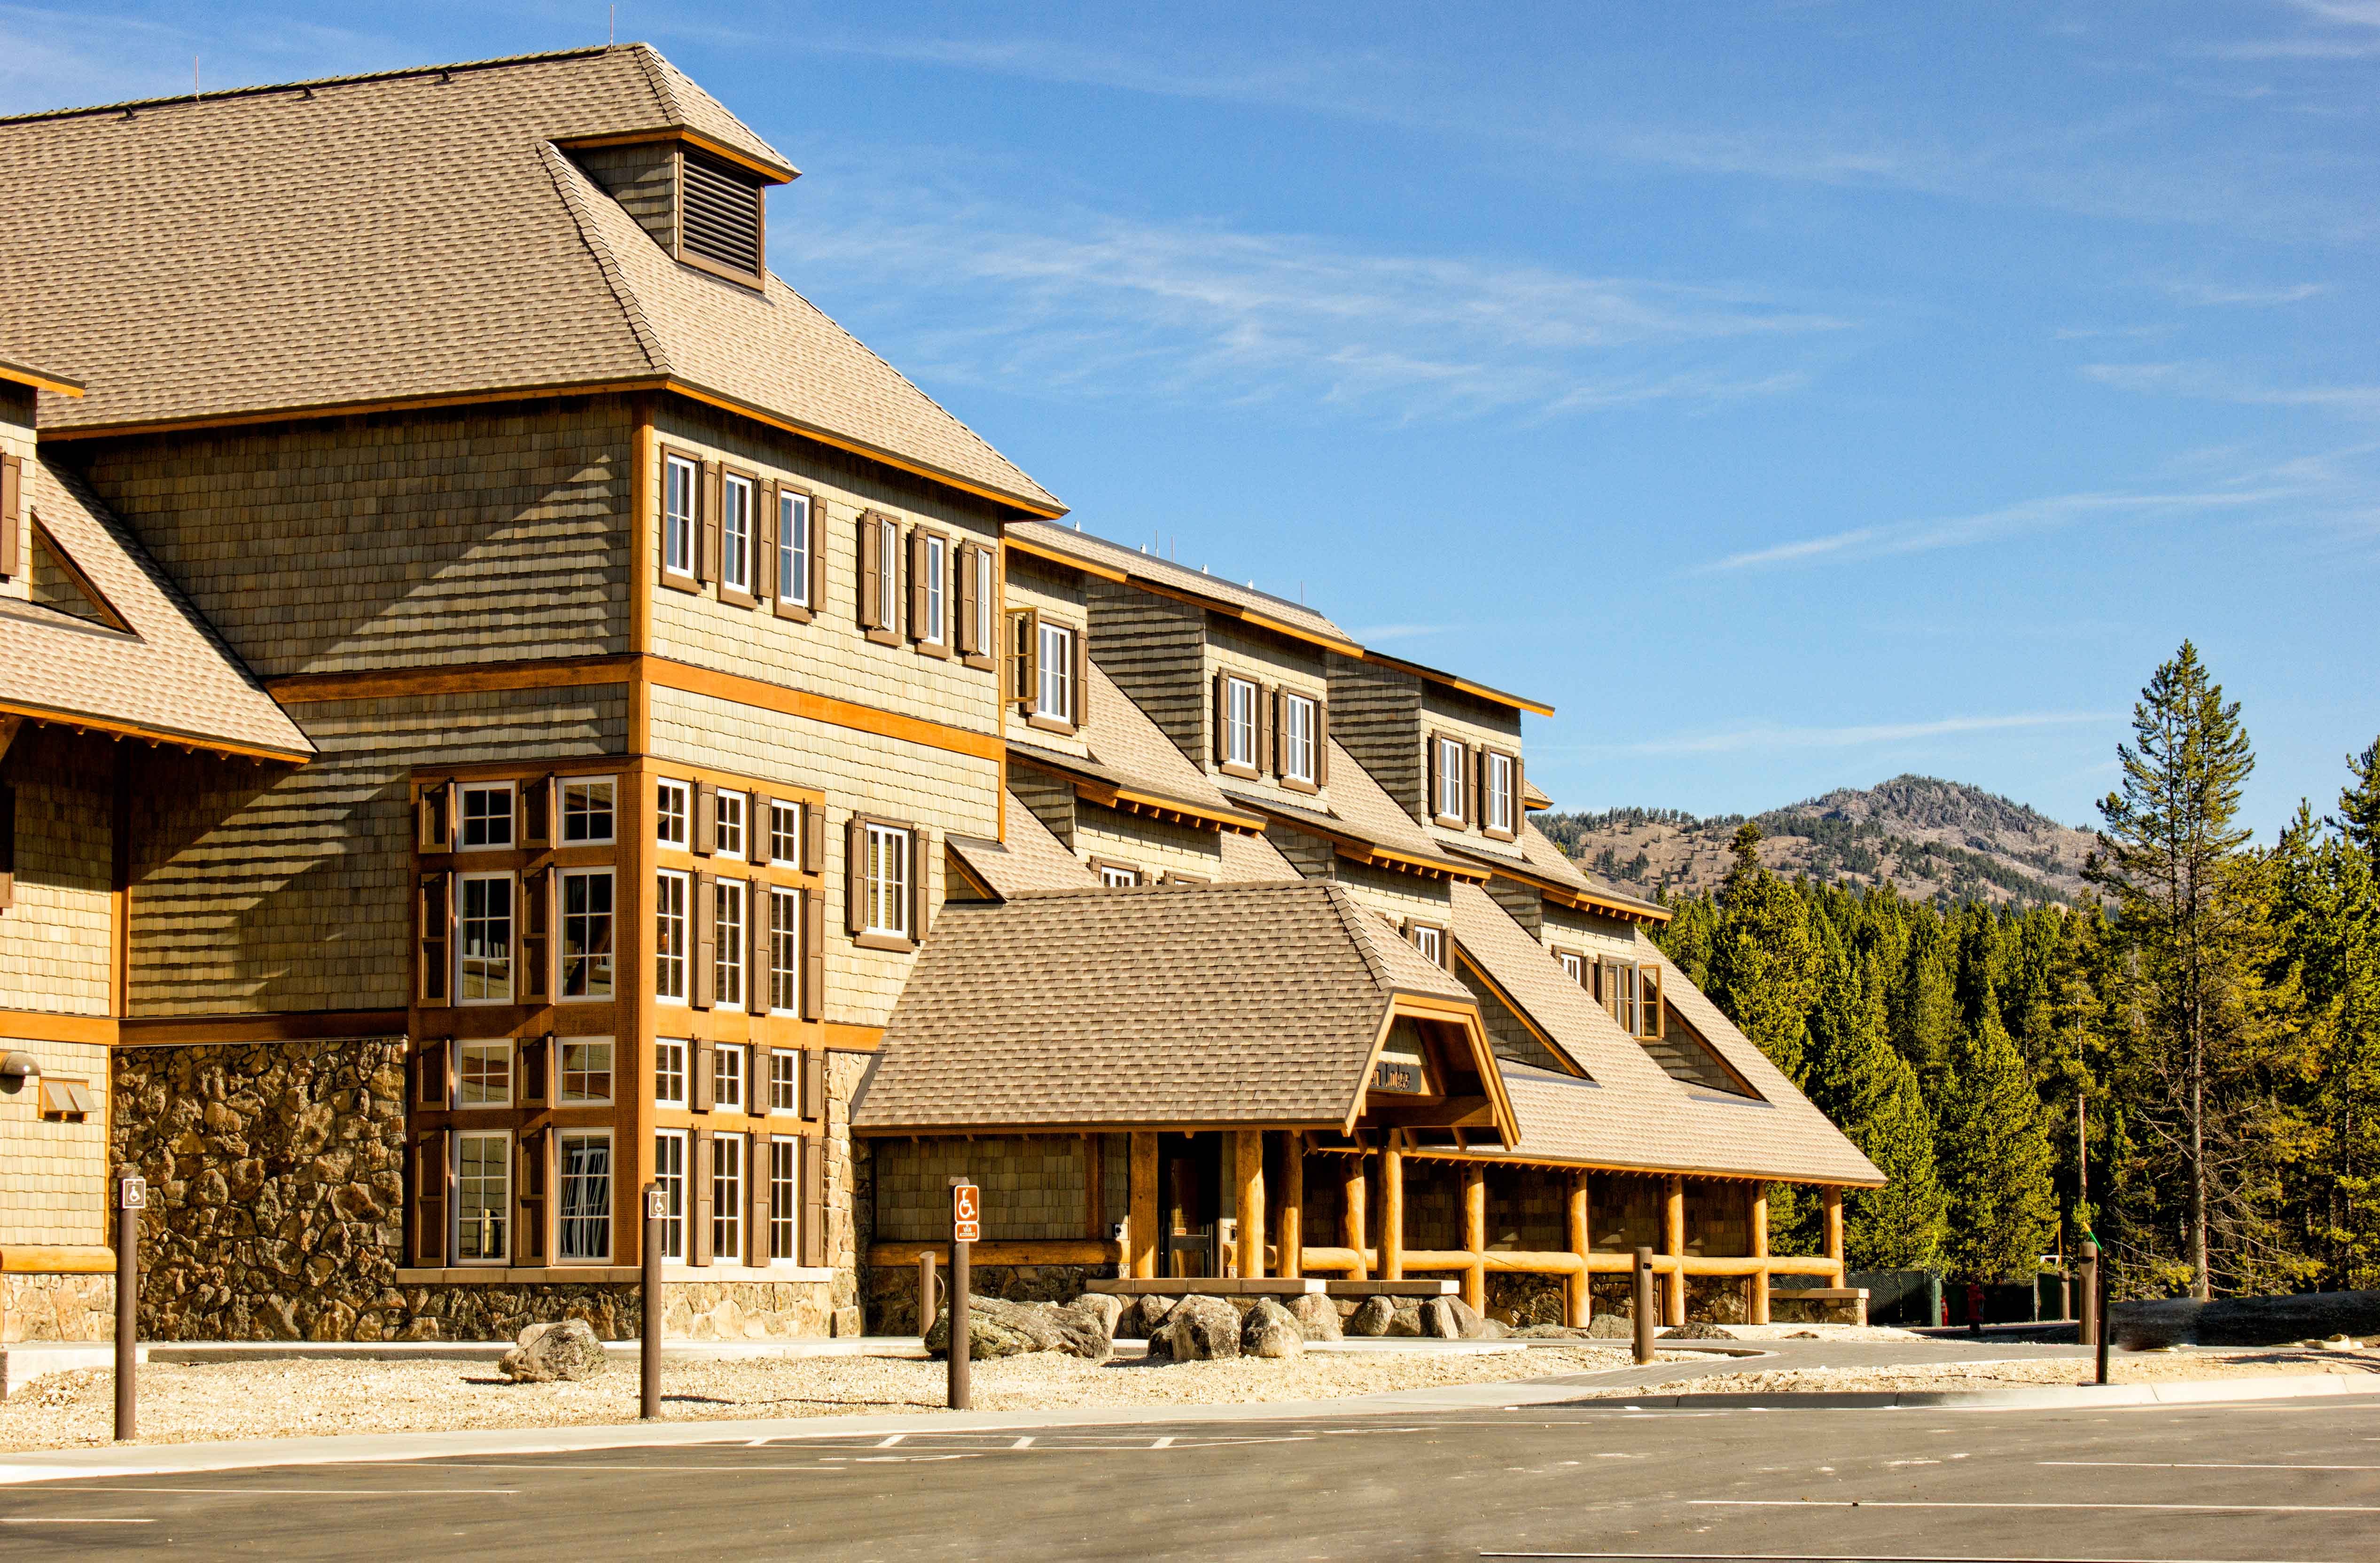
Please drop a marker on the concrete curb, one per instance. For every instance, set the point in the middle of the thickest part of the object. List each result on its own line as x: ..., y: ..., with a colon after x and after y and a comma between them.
x: 389, y: 1449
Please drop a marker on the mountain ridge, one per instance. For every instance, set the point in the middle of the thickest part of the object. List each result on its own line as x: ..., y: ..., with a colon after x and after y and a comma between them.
x: 1939, y: 841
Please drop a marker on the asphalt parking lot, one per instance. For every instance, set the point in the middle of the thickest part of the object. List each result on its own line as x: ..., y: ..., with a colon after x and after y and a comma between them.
x: 2278, y: 1483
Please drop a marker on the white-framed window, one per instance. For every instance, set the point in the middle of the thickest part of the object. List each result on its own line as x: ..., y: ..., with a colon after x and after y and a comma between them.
x: 586, y: 1070
x: 727, y: 1198
x: 735, y: 533
x: 785, y: 951
x: 487, y: 823
x: 671, y: 811
x: 484, y: 948
x: 727, y: 1078
x: 1496, y: 806
x: 986, y: 606
x: 1573, y: 965
x: 1431, y: 942
x: 483, y: 1197
x: 784, y: 1195
x: 793, y: 550
x: 1116, y: 876
x: 669, y: 1171
x: 1620, y: 992
x: 785, y: 1081
x: 1055, y: 698
x: 785, y: 833
x: 681, y: 483
x: 728, y: 903
x: 885, y: 885
x: 1452, y: 783
x: 589, y: 818
x: 585, y: 933
x: 1240, y: 722
x: 584, y: 1233
x: 669, y: 1073
x: 669, y: 936
x: 483, y: 1075
x: 1299, y: 732
x: 935, y: 555
x: 727, y: 837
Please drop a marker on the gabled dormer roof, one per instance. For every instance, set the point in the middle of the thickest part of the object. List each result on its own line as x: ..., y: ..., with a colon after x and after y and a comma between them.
x: 411, y: 238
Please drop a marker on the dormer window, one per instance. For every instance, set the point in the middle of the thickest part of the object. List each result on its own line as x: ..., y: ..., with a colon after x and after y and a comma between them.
x: 1449, y: 766
x: 1500, y: 794
x: 719, y: 225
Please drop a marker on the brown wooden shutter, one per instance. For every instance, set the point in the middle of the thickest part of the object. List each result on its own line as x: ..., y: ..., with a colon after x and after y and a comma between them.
x: 437, y: 833
x: 701, y: 1083
x: 536, y: 812
x: 536, y: 1054
x: 917, y: 583
x: 1436, y: 804
x: 436, y: 937
x: 705, y: 834
x: 700, y: 1199
x: 430, y: 1160
x: 756, y: 1198
x: 813, y: 954
x: 536, y: 941
x: 872, y: 589
x: 764, y: 544
x: 762, y: 845
x: 1476, y: 776
x: 8, y: 846
x: 818, y: 555
x: 1268, y: 738
x: 920, y: 841
x: 1520, y: 804
x: 964, y: 597
x: 1222, y: 719
x: 1024, y: 659
x: 813, y: 839
x: 705, y: 553
x: 855, y: 874
x: 12, y: 513
x: 813, y: 1202
x: 431, y: 1082
x: 1322, y: 743
x: 1082, y: 677
x: 706, y: 941
x: 529, y: 1185
x: 813, y: 1103
x: 758, y: 907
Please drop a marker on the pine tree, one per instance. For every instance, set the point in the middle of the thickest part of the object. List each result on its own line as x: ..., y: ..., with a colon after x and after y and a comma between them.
x: 1994, y: 1157
x: 1923, y: 1004
x: 1763, y: 968
x: 2359, y: 804
x: 1871, y: 1093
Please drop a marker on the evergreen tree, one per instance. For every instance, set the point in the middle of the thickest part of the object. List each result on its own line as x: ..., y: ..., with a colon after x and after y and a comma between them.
x: 2358, y: 805
x: 1923, y: 1003
x: 1994, y: 1157
x: 1871, y: 1093
x: 1763, y: 967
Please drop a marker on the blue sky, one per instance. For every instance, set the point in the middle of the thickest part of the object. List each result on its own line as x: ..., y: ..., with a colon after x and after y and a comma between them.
x: 1791, y: 394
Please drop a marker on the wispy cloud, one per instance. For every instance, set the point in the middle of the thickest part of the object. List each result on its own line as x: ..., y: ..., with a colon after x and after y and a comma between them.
x: 1759, y: 737
x: 1087, y: 304
x: 2215, y: 383
x: 2209, y: 294
x: 2031, y: 516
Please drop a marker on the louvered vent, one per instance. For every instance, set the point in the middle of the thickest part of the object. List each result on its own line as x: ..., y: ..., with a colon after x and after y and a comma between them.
x: 722, y: 217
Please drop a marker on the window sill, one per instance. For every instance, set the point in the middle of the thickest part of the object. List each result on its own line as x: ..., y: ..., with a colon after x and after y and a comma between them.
x: 933, y: 648
x: 884, y: 637
x: 894, y: 942
x: 735, y: 598
x: 1449, y: 822
x: 981, y: 665
x: 676, y: 582
x: 1050, y: 724
x: 1244, y: 772
x: 792, y: 610
x: 1496, y: 835
x: 1296, y: 785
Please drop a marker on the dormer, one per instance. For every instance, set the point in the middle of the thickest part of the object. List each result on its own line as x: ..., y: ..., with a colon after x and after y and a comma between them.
x: 703, y: 201
x: 1447, y: 749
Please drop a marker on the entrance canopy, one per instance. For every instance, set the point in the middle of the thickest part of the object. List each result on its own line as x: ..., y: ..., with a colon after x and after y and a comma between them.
x: 1279, y: 1006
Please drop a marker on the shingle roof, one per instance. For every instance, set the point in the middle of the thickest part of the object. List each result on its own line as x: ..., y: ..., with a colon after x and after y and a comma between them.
x: 170, y: 676
x: 1121, y: 738
x: 1031, y: 859
x: 411, y: 236
x: 1166, y: 1005
x: 1253, y: 860
x: 1634, y: 1114
x: 1357, y: 808
x: 1121, y: 558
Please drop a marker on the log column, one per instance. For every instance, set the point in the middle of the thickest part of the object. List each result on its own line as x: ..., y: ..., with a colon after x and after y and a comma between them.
x: 1475, y: 1235
x: 1755, y: 1214
x: 1351, y: 1214
x: 1673, y: 1243
x: 1834, y: 1208
x: 1141, y: 1250
x: 1247, y: 1153
x: 1392, y: 1208
x: 1095, y: 1187
x: 1291, y: 1238
x: 1582, y: 1243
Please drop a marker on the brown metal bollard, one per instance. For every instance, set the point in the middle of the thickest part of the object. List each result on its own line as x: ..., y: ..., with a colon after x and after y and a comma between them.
x: 131, y: 1198
x: 2099, y: 1306
x: 2087, y: 1332
x: 650, y: 1305
x: 961, y: 1395
x: 926, y: 1307
x: 1643, y: 1305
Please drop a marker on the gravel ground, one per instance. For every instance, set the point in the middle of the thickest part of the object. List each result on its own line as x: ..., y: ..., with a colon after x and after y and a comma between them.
x: 195, y: 1402
x: 2122, y: 1368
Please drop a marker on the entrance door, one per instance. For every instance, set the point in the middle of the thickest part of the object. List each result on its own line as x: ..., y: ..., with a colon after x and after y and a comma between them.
x: 1190, y: 1192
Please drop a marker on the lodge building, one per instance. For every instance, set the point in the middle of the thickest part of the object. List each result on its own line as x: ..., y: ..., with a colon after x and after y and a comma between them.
x: 503, y: 702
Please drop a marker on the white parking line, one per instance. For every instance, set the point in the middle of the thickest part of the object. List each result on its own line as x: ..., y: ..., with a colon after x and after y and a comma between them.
x: 67, y: 1519
x: 315, y: 1492
x: 2198, y: 1465
x: 1021, y: 1443
x: 2165, y: 1508
x: 888, y: 1443
x: 1859, y: 1557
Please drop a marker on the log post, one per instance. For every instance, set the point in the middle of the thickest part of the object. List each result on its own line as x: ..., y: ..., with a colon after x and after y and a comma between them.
x: 1351, y: 1215
x: 1095, y: 1187
x: 1673, y: 1243
x: 1392, y: 1208
x: 1140, y: 1256
x: 1248, y: 1155
x: 1582, y: 1243
x: 1756, y: 1285
x: 1475, y: 1235
x: 1834, y: 1208
x: 1290, y: 1237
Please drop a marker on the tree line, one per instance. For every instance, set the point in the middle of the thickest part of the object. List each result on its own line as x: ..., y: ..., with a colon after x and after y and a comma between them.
x: 2185, y: 1067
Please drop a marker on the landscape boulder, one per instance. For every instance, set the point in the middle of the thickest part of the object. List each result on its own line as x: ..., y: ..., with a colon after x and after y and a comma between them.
x: 1372, y: 1317
x: 1108, y: 1310
x: 1451, y: 1318
x: 1000, y: 1328
x: 1405, y: 1317
x: 1270, y: 1330
x: 1317, y: 1316
x: 1198, y: 1329
x: 549, y: 1352
x: 1144, y: 1316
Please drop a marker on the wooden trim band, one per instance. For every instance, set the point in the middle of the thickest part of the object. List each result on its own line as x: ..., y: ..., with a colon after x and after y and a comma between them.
x: 688, y: 679
x: 375, y: 684
x: 75, y: 1259
x: 774, y: 173
x: 1455, y: 681
x: 40, y: 380
x: 42, y: 1025
x: 1045, y: 1251
x: 298, y: 1025
x: 153, y: 735
x: 1178, y: 594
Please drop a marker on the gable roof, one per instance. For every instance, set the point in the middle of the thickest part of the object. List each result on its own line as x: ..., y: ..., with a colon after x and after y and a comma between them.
x: 164, y: 675
x: 1030, y: 859
x: 1117, y: 562
x: 1202, y: 1005
x: 415, y: 236
x: 1360, y: 814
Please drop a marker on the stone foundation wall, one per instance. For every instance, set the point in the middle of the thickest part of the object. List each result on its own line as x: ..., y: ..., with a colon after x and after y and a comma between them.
x: 893, y: 1292
x: 57, y: 1307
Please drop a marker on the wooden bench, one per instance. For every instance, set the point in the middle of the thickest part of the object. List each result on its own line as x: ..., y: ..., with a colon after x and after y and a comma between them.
x: 1206, y: 1286
x: 1854, y: 1295
x: 1390, y: 1287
